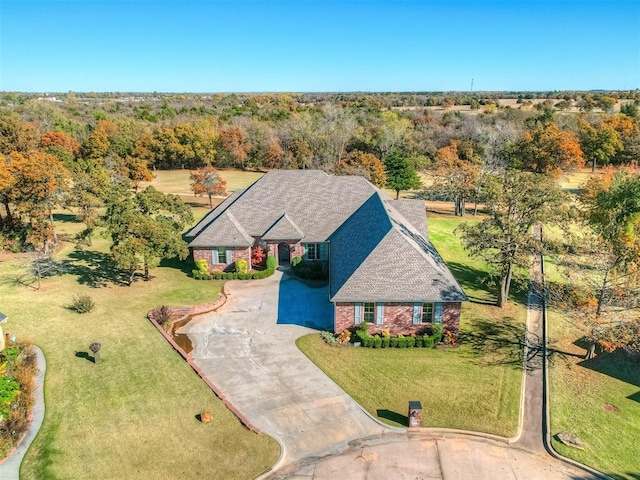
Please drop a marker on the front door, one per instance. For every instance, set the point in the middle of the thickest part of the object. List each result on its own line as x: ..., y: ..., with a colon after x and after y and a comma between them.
x: 284, y: 253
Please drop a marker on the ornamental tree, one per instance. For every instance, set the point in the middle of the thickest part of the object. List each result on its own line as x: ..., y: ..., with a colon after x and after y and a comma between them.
x: 207, y: 180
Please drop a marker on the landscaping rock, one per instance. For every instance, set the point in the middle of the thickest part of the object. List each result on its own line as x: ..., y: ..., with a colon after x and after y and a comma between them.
x: 570, y: 439
x: 206, y: 417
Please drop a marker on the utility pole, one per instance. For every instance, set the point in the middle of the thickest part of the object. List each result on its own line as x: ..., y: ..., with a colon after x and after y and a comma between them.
x: 472, y: 85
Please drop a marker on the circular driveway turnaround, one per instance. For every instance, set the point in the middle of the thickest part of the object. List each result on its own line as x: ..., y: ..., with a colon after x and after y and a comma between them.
x: 426, y: 457
x: 255, y: 363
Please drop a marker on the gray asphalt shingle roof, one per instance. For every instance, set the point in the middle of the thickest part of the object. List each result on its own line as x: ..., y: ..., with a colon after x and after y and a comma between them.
x: 314, y: 201
x: 227, y: 233
x: 283, y: 229
x: 379, y: 256
x: 379, y: 247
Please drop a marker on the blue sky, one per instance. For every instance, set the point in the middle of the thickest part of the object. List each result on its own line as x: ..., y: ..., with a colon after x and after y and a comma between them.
x: 358, y: 45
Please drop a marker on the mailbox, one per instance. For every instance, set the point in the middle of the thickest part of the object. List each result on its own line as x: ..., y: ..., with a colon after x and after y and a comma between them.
x: 415, y: 414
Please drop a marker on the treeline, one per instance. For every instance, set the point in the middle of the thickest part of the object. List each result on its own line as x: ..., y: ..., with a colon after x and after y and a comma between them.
x: 72, y: 154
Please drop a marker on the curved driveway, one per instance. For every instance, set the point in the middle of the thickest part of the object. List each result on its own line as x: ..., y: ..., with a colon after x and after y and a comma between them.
x: 247, y: 348
x: 254, y: 361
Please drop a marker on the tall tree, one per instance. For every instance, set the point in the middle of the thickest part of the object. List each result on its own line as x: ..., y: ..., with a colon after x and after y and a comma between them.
x: 548, y: 150
x: 364, y: 164
x: 15, y: 135
x: 400, y: 174
x: 207, y: 180
x: 599, y: 143
x: 516, y: 202
x: 146, y: 228
x: 40, y: 184
x: 455, y: 177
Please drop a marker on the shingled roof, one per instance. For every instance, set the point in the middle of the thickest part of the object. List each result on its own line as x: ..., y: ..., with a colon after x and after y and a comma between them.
x: 315, y: 202
x: 379, y: 247
x: 379, y: 256
x: 283, y: 229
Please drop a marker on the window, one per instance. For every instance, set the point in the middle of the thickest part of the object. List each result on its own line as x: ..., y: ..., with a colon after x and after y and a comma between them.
x: 316, y: 251
x: 427, y: 312
x: 369, y: 312
x: 312, y: 251
x: 219, y: 255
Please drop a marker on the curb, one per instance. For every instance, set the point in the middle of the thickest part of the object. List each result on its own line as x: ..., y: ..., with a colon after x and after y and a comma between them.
x: 11, y: 463
x: 196, y: 369
x: 546, y: 427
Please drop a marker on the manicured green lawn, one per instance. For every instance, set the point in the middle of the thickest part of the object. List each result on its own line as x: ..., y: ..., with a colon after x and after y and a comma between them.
x: 475, y: 386
x: 133, y: 415
x: 177, y: 181
x: 580, y: 389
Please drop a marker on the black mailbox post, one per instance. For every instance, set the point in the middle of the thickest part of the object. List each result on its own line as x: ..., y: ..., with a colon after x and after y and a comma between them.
x: 415, y: 414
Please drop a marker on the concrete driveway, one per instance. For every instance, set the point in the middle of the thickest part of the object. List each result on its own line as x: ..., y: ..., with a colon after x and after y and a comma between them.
x: 253, y: 359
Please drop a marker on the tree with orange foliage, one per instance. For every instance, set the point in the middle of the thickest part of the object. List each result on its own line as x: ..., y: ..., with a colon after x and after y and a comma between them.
x: 611, y: 204
x: 233, y: 148
x: 207, y: 180
x: 40, y: 184
x: 455, y: 177
x: 548, y: 150
x: 60, y: 139
x: 365, y: 164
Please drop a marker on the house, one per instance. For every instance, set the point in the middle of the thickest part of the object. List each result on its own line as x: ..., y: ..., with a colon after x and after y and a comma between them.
x: 382, y: 267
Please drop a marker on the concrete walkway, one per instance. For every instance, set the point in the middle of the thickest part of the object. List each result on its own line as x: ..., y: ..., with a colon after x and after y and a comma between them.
x: 10, y: 468
x: 256, y: 364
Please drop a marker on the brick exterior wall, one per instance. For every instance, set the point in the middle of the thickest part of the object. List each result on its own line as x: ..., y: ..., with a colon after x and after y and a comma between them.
x: 295, y: 248
x: 397, y: 318
x: 236, y: 253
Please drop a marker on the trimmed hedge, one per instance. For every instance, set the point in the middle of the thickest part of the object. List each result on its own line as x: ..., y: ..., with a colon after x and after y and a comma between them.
x: 198, y: 274
x: 400, y: 341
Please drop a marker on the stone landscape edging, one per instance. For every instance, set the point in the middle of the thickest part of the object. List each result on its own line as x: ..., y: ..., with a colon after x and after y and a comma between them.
x: 198, y: 310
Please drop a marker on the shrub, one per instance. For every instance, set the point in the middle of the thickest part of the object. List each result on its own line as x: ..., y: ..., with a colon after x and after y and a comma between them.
x: 393, y: 341
x: 377, y: 342
x: 196, y: 274
x: 271, y: 263
x: 257, y: 256
x: 428, y: 341
x: 201, y: 265
x: 410, y: 342
x: 163, y: 315
x: 385, y: 341
x: 437, y: 330
x: 82, y: 303
x: 241, y: 266
x: 295, y: 261
x: 329, y: 337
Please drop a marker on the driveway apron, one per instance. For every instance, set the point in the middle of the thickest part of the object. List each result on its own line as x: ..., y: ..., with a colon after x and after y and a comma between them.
x: 254, y: 361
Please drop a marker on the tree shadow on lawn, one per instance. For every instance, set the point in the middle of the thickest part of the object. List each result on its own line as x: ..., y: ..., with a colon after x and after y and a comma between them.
x: 395, y: 417
x: 495, y: 343
x: 471, y: 278
x: 65, y: 217
x: 95, y: 269
x: 185, y: 266
x: 617, y: 365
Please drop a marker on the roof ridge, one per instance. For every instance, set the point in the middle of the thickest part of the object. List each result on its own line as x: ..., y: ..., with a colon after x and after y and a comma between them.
x: 239, y: 227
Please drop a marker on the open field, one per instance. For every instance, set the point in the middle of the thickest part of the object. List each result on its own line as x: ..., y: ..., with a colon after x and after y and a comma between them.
x: 133, y: 415
x: 580, y: 389
x: 475, y: 386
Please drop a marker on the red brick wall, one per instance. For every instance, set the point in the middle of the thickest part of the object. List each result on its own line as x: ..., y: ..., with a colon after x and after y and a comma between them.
x: 295, y: 248
x: 451, y: 316
x: 397, y: 318
x: 236, y: 253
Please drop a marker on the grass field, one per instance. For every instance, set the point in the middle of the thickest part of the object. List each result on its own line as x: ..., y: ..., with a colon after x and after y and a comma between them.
x: 133, y: 415
x: 474, y: 387
x: 580, y: 389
